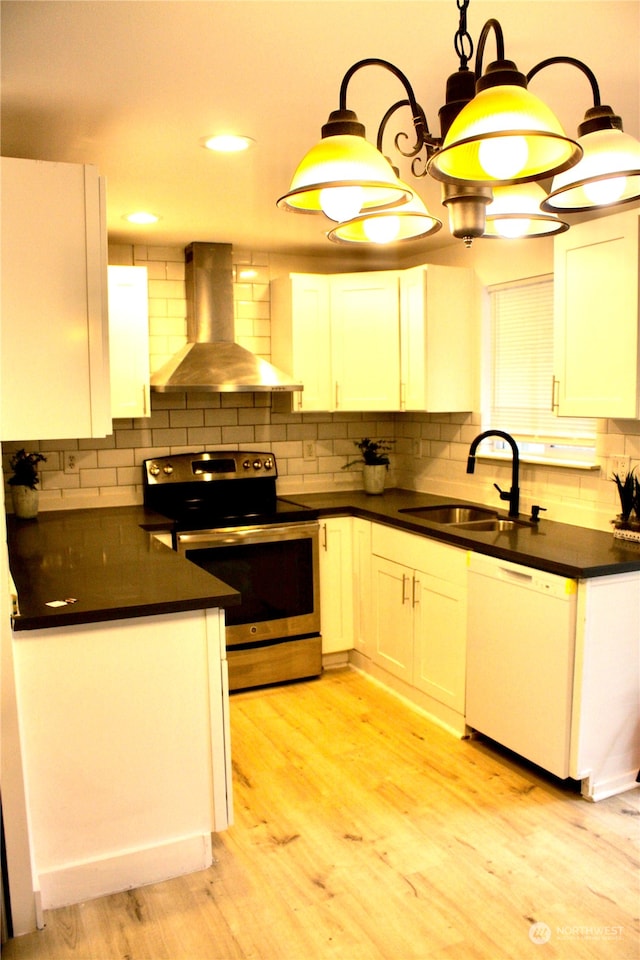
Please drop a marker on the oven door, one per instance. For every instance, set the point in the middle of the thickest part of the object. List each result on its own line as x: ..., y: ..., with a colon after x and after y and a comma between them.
x: 275, y: 568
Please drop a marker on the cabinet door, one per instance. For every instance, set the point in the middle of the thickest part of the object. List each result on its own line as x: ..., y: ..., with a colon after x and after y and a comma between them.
x: 438, y: 336
x: 336, y: 584
x: 391, y: 585
x: 365, y: 340
x: 362, y: 633
x: 301, y: 338
x: 129, y: 342
x: 596, y: 318
x: 440, y: 639
x: 54, y: 337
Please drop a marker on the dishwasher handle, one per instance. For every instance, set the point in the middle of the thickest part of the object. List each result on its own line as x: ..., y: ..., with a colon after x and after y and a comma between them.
x: 519, y: 576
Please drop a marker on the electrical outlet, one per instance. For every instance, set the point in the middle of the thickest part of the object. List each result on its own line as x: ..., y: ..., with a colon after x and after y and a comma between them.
x: 620, y: 465
x: 71, y: 462
x: 309, y: 449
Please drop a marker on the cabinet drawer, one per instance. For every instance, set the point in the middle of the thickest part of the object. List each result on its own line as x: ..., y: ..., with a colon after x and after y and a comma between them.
x: 420, y: 553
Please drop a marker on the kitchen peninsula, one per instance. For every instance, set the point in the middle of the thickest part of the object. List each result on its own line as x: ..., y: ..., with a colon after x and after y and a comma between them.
x: 121, y: 672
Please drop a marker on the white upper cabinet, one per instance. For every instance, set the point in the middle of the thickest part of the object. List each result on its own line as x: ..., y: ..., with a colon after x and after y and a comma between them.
x: 301, y: 337
x: 380, y: 340
x: 54, y: 337
x: 129, y: 341
x: 365, y: 340
x: 596, y: 318
x: 439, y: 310
x: 339, y: 335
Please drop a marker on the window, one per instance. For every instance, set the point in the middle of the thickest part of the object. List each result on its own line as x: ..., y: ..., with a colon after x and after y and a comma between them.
x: 520, y: 381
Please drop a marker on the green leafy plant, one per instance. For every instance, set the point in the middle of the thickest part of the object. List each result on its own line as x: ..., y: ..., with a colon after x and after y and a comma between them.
x: 25, y: 469
x: 373, y: 452
x: 629, y: 493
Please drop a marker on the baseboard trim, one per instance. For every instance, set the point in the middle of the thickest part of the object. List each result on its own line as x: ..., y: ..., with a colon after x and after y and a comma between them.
x: 86, y: 880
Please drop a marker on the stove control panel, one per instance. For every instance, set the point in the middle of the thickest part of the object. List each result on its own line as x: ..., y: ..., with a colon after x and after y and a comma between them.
x: 258, y: 464
x: 210, y: 466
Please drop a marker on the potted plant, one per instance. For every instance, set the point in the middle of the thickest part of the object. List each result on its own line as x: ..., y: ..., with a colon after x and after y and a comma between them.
x: 375, y: 463
x: 23, y: 483
x: 627, y: 523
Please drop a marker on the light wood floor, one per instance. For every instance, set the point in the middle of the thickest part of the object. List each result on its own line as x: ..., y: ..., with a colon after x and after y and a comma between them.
x: 362, y: 832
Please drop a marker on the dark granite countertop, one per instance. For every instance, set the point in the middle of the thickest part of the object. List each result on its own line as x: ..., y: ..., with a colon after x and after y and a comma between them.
x: 570, y: 551
x: 109, y: 562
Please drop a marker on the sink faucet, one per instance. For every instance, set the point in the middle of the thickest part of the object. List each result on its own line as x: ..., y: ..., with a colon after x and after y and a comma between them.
x: 513, y: 495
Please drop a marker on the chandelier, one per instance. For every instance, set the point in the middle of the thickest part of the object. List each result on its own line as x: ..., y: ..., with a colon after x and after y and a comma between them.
x: 499, y: 146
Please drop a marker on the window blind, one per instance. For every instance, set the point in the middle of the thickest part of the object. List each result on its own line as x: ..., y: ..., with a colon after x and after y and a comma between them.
x: 522, y: 365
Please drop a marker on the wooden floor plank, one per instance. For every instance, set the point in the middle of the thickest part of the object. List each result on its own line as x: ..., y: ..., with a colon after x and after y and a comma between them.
x: 365, y: 832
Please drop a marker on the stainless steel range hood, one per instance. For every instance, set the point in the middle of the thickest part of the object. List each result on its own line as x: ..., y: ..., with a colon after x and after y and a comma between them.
x: 211, y: 361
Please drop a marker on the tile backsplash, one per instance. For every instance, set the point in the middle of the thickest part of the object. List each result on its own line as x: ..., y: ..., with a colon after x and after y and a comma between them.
x: 311, y: 449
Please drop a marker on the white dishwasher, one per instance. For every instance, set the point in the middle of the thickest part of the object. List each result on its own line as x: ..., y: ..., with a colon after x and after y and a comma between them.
x: 520, y: 659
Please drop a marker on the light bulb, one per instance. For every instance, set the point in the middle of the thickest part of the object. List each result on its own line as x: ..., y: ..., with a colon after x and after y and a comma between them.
x: 382, y: 229
x: 512, y: 228
x: 606, y: 191
x: 341, y: 203
x: 503, y: 157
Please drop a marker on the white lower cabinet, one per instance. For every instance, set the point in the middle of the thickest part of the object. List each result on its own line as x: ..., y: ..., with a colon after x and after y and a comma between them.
x: 418, y: 605
x: 336, y: 584
x: 361, y: 572
x: 131, y: 773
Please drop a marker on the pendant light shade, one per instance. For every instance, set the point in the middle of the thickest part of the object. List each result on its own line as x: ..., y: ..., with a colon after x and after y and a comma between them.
x: 343, y: 174
x: 515, y: 213
x: 608, y: 174
x: 410, y: 221
x: 505, y: 135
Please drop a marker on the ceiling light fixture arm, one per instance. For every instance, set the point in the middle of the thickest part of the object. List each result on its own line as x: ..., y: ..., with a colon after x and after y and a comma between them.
x: 421, y: 127
x: 499, y: 71
x: 598, y: 117
x: 494, y: 25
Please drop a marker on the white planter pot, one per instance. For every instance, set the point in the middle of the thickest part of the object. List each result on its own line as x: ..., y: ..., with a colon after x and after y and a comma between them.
x: 373, y: 477
x: 24, y: 501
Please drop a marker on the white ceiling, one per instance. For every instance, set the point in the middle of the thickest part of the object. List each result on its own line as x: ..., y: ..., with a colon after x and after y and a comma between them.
x: 133, y: 86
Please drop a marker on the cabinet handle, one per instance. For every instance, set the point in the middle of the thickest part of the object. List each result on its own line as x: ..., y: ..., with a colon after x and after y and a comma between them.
x: 554, y: 393
x: 324, y: 537
x: 145, y: 401
x: 405, y: 579
x: 337, y: 394
x: 415, y: 599
x: 403, y: 396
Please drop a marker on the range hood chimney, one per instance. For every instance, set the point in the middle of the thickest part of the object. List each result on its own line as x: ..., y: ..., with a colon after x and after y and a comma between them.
x: 211, y: 361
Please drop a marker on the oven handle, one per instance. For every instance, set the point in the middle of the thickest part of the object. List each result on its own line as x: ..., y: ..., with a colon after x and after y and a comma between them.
x: 229, y: 536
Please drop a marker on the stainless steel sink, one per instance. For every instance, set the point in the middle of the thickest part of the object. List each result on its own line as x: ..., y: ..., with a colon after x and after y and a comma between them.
x: 451, y: 513
x: 498, y: 525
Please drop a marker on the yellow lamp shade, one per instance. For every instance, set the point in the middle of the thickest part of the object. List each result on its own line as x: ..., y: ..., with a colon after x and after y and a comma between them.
x: 607, y: 175
x: 505, y: 135
x: 341, y: 176
x: 410, y: 221
x: 515, y: 213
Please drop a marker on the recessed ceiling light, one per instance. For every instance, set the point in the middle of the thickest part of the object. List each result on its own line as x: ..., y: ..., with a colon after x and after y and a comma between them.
x: 227, y: 143
x: 142, y: 217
